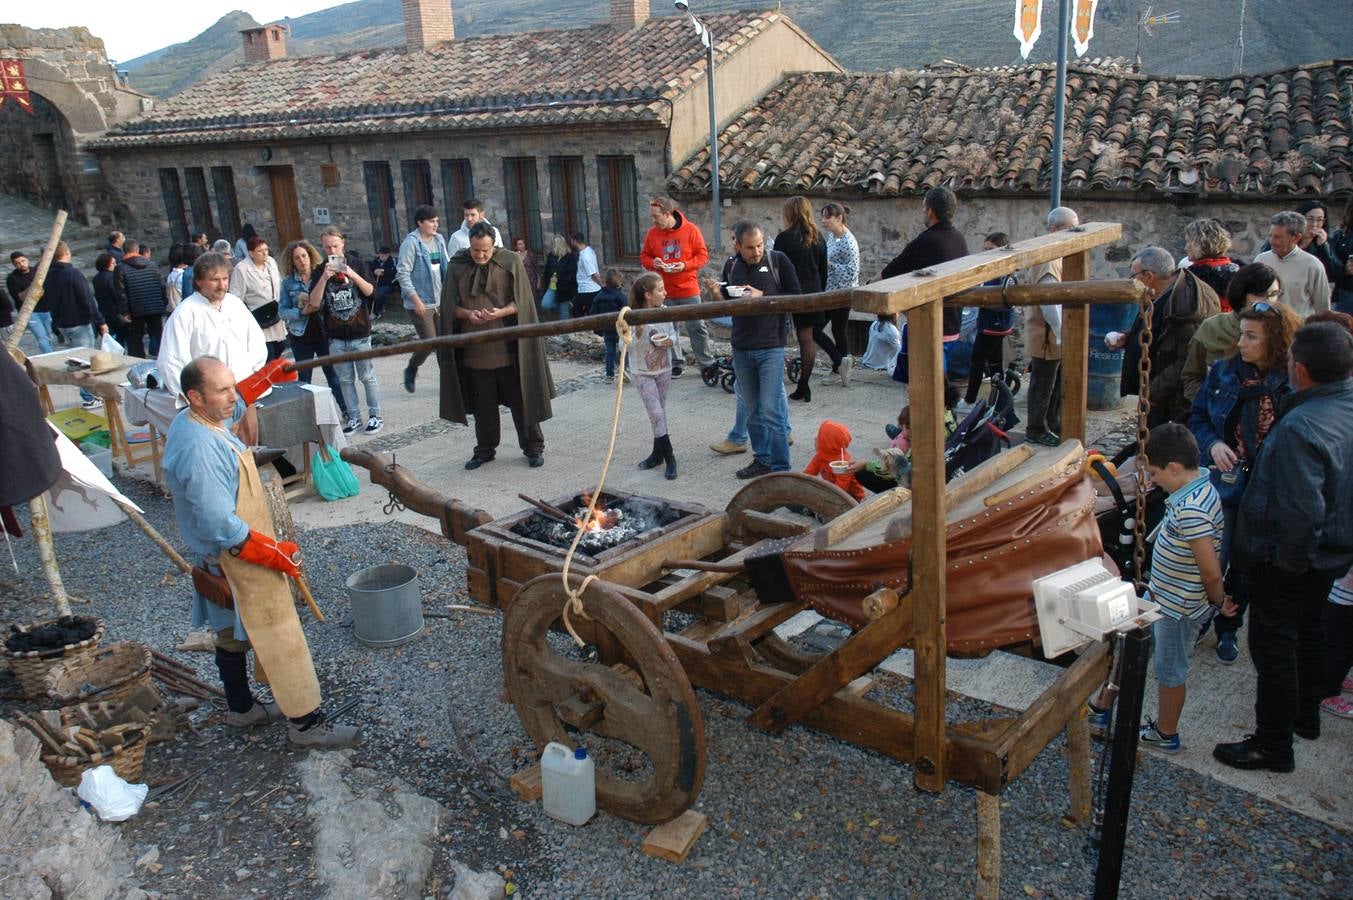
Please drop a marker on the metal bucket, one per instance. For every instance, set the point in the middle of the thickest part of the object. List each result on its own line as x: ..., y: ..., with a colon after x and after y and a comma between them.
x: 387, y: 605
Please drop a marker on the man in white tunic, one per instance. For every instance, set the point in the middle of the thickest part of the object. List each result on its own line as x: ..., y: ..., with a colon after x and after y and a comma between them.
x: 210, y: 322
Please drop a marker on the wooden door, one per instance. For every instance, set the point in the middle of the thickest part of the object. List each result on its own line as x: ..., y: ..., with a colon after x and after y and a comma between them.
x: 286, y: 211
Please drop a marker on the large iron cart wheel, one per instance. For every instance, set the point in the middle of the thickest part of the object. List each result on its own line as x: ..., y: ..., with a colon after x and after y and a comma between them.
x: 648, y: 713
x: 794, y: 491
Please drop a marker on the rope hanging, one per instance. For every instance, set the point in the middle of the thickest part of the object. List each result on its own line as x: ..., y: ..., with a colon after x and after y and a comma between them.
x: 574, y: 604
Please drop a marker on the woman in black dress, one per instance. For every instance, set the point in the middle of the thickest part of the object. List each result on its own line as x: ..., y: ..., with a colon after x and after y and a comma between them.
x: 803, y: 243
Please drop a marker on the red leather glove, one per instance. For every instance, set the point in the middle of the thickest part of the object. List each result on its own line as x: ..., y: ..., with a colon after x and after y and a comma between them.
x: 262, y: 550
x: 257, y: 384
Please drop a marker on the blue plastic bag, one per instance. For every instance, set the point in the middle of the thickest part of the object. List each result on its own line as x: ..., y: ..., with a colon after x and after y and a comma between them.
x: 334, y: 478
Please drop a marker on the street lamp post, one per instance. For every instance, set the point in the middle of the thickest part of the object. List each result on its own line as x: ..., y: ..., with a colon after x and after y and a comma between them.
x: 707, y: 39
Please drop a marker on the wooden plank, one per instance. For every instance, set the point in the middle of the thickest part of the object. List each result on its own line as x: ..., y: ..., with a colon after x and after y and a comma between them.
x: 673, y: 840
x: 988, y: 846
x: 971, y: 759
x: 1061, y: 293
x: 694, y: 585
x: 926, y: 608
x: 914, y: 290
x: 1075, y: 352
x: 526, y: 784
x: 1078, y: 753
x: 643, y: 564
x: 761, y: 620
x: 1053, y: 709
x: 852, y: 520
x: 1071, y: 457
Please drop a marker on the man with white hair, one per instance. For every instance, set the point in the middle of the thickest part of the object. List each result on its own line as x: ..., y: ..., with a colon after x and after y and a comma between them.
x: 1180, y: 301
x: 1043, y: 330
x: 1305, y: 286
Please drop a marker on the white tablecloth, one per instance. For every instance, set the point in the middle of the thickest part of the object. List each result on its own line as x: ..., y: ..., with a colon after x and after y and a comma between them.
x: 152, y: 406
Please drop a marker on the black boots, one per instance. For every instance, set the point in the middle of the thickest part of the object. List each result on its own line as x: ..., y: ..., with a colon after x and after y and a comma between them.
x: 662, y: 452
x: 652, y: 460
x: 802, y: 392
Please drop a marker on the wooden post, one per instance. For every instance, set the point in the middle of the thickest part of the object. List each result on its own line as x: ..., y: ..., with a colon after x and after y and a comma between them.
x: 1078, y: 751
x: 42, y: 533
x: 1075, y: 352
x: 29, y: 301
x: 988, y: 846
x: 926, y: 394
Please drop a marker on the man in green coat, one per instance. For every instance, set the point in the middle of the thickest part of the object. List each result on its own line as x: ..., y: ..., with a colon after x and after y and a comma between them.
x: 486, y: 288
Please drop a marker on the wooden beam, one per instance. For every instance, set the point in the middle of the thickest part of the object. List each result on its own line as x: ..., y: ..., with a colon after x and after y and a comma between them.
x: 857, y: 517
x: 915, y: 289
x: 1075, y: 352
x: 1061, y: 293
x: 988, y: 846
x: 928, y: 551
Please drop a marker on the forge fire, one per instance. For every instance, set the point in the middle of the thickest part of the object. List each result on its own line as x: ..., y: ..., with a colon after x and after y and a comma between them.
x: 616, y: 521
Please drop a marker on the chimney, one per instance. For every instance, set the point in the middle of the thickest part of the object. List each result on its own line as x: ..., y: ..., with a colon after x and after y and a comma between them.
x: 627, y: 14
x: 264, y: 42
x: 427, y: 23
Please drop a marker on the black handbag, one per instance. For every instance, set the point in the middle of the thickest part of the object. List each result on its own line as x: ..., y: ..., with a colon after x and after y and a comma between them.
x: 267, y: 315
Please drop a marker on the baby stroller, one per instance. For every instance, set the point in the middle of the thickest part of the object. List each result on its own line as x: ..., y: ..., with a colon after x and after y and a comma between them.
x: 984, y: 431
x: 1116, y: 485
x: 721, y: 373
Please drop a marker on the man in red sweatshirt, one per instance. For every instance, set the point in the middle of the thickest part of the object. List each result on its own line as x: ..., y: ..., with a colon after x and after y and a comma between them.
x: 675, y: 249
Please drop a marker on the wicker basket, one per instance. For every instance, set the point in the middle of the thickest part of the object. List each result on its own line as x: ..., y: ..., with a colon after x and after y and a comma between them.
x: 127, y: 761
x: 31, y: 666
x: 109, y: 674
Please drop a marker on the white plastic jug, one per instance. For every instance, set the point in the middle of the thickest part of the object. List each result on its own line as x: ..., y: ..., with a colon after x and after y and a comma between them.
x: 568, y: 781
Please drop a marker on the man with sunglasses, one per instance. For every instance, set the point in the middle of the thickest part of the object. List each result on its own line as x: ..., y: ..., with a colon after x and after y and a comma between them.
x: 1294, y: 536
x: 1305, y: 285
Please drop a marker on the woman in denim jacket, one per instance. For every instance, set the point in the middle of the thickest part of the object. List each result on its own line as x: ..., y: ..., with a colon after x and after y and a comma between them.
x: 305, y: 333
x: 1232, y: 414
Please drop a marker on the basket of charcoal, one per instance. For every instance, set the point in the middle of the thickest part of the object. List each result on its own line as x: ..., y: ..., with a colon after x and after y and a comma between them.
x: 32, y: 650
x: 73, y: 742
x: 109, y: 674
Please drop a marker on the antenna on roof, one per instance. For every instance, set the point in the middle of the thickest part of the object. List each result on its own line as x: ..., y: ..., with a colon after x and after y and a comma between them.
x: 1145, y: 21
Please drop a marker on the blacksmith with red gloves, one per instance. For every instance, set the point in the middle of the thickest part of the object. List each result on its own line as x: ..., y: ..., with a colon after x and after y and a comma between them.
x: 240, y: 588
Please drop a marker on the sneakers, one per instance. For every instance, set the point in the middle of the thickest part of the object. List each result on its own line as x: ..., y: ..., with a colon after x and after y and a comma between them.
x: 754, y: 469
x: 610, y: 379
x: 1226, y: 648
x: 1047, y: 439
x: 535, y: 461
x: 727, y: 447
x: 830, y: 378
x: 261, y: 713
x: 92, y: 403
x: 1337, y: 706
x: 846, y: 365
x: 323, y: 736
x: 892, y: 431
x: 676, y: 371
x: 1150, y: 736
x: 374, y: 424
x: 475, y: 462
x: 410, y: 376
x: 351, y: 425
x: 1098, y: 719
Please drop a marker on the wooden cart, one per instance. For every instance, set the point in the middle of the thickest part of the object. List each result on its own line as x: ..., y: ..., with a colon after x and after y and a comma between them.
x: 676, y: 612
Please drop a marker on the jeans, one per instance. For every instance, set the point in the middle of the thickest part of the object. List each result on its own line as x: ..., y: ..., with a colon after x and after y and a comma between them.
x: 349, y: 372
x: 761, y: 381
x: 41, y: 325
x: 612, y: 342
x: 302, y: 352
x: 697, y: 331
x: 1343, y: 301
x: 551, y: 300
x: 1287, y: 645
x: 81, y: 336
x: 425, y: 326
x: 739, y: 433
x: 1045, y: 397
x: 140, y: 328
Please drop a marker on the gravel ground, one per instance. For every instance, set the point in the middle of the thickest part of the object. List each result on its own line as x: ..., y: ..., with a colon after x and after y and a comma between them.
x: 798, y: 815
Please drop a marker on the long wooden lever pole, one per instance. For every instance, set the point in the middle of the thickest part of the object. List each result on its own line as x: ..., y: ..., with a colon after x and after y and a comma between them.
x: 1067, y: 294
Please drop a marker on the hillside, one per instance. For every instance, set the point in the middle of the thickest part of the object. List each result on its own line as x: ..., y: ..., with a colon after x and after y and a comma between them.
x: 862, y: 34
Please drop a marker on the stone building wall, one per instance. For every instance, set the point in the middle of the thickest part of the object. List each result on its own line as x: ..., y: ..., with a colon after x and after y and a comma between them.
x: 138, y: 178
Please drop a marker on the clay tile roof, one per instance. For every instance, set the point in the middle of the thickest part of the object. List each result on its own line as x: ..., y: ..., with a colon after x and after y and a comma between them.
x: 990, y: 131
x: 582, y: 75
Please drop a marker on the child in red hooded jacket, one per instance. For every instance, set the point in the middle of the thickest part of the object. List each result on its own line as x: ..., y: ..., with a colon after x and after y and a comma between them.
x: 833, y: 441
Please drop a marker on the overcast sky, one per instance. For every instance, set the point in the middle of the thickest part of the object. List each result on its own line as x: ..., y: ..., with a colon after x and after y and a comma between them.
x: 128, y: 31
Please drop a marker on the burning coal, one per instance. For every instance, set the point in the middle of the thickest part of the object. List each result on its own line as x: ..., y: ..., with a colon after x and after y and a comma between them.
x: 615, y: 521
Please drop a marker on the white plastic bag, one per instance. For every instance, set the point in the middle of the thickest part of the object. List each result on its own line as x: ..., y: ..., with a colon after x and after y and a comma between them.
x: 112, y: 798
x: 109, y: 344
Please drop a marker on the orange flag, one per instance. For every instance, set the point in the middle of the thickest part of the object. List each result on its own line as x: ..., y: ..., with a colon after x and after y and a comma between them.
x: 13, y: 84
x: 1028, y: 24
x: 1083, y: 25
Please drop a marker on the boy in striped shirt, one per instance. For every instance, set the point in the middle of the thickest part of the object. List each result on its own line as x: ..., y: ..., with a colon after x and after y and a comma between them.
x: 1185, y: 570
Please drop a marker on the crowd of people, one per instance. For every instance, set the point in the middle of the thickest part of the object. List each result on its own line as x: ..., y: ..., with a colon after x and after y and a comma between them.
x: 1251, y: 402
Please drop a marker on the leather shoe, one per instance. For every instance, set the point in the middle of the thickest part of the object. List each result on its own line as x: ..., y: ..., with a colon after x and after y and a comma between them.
x: 754, y: 469
x: 1309, y: 730
x: 1248, y: 754
x: 475, y: 462
x: 536, y: 461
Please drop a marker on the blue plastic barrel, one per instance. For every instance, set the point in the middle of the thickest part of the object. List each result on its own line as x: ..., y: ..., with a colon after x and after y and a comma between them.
x: 1106, y: 366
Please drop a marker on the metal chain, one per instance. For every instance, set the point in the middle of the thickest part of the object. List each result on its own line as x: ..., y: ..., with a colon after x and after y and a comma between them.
x: 1143, y: 432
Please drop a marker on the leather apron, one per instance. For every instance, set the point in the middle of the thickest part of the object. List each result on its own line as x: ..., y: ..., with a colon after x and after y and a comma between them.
x: 263, y: 600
